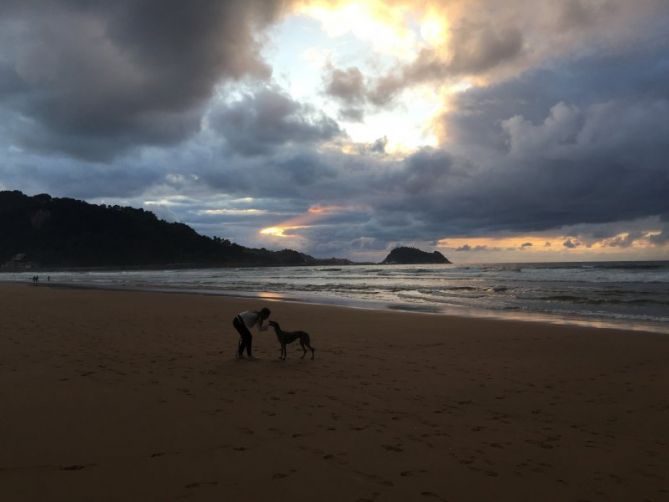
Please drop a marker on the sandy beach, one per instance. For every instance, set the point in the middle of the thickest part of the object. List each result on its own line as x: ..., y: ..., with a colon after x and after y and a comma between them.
x: 112, y: 395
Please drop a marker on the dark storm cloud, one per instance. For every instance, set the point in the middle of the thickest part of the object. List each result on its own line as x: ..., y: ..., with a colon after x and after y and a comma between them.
x: 290, y: 173
x: 616, y: 78
x: 260, y: 122
x: 68, y: 178
x: 93, y: 78
x: 553, y: 148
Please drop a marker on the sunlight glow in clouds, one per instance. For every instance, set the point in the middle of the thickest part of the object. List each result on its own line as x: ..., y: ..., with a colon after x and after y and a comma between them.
x: 279, y: 231
x: 380, y: 25
x: 551, y: 244
x: 306, y: 220
x: 387, y: 34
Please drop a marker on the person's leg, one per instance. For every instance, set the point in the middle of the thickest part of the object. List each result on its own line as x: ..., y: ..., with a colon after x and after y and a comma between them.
x: 249, y: 343
x: 243, y: 332
x: 240, y: 348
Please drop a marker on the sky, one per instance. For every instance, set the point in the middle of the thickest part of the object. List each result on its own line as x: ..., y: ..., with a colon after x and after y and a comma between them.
x: 522, y: 130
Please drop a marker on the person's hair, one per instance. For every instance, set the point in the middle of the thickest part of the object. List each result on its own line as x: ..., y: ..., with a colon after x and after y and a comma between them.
x: 265, y: 312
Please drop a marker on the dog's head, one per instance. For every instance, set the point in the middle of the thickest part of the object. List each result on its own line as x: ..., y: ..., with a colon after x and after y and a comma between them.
x: 274, y: 324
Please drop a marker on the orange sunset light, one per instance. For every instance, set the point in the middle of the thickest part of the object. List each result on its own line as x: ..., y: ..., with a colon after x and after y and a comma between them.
x: 304, y: 220
x: 547, y: 243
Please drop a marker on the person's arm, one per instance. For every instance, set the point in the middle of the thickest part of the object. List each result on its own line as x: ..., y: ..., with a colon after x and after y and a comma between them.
x: 261, y: 325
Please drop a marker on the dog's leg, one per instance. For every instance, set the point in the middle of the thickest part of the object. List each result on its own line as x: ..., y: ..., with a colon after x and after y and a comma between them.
x: 304, y: 350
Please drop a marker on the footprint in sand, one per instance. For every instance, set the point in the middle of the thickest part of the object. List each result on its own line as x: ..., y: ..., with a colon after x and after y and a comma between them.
x: 406, y: 474
x: 74, y: 467
x: 202, y: 483
x: 431, y: 495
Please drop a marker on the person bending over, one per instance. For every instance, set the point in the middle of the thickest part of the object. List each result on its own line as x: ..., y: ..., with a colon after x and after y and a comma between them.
x: 243, y: 322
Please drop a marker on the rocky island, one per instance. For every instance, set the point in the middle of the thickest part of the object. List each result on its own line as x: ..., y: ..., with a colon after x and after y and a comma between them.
x: 409, y: 255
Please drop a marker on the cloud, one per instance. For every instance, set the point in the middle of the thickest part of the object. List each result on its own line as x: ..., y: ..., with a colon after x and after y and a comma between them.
x: 475, y: 48
x: 576, y: 14
x: 571, y: 244
x: 346, y: 85
x: 84, y: 180
x: 490, y: 41
x: 268, y: 118
x: 95, y: 78
x: 661, y: 238
x: 379, y: 145
x: 559, y: 148
x: 567, y: 141
x: 352, y: 114
x: 477, y: 248
x: 625, y: 240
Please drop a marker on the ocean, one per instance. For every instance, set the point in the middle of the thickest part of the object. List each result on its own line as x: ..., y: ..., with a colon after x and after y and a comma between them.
x: 630, y: 295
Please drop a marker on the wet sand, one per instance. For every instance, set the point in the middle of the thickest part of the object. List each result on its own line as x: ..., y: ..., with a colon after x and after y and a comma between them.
x: 109, y: 395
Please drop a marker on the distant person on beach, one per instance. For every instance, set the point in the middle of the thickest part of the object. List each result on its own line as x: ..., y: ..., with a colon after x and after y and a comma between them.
x: 243, y: 322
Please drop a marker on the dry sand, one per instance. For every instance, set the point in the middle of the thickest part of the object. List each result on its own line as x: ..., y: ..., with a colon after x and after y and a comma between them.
x: 109, y: 395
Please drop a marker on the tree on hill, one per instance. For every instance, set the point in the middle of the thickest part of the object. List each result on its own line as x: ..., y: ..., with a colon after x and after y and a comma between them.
x: 64, y: 232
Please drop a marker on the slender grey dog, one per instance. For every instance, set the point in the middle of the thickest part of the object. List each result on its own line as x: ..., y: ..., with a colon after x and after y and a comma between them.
x: 286, y: 337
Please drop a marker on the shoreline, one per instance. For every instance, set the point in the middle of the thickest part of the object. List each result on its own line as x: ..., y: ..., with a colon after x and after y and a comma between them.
x: 120, y: 395
x: 465, y: 313
x: 186, y: 266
